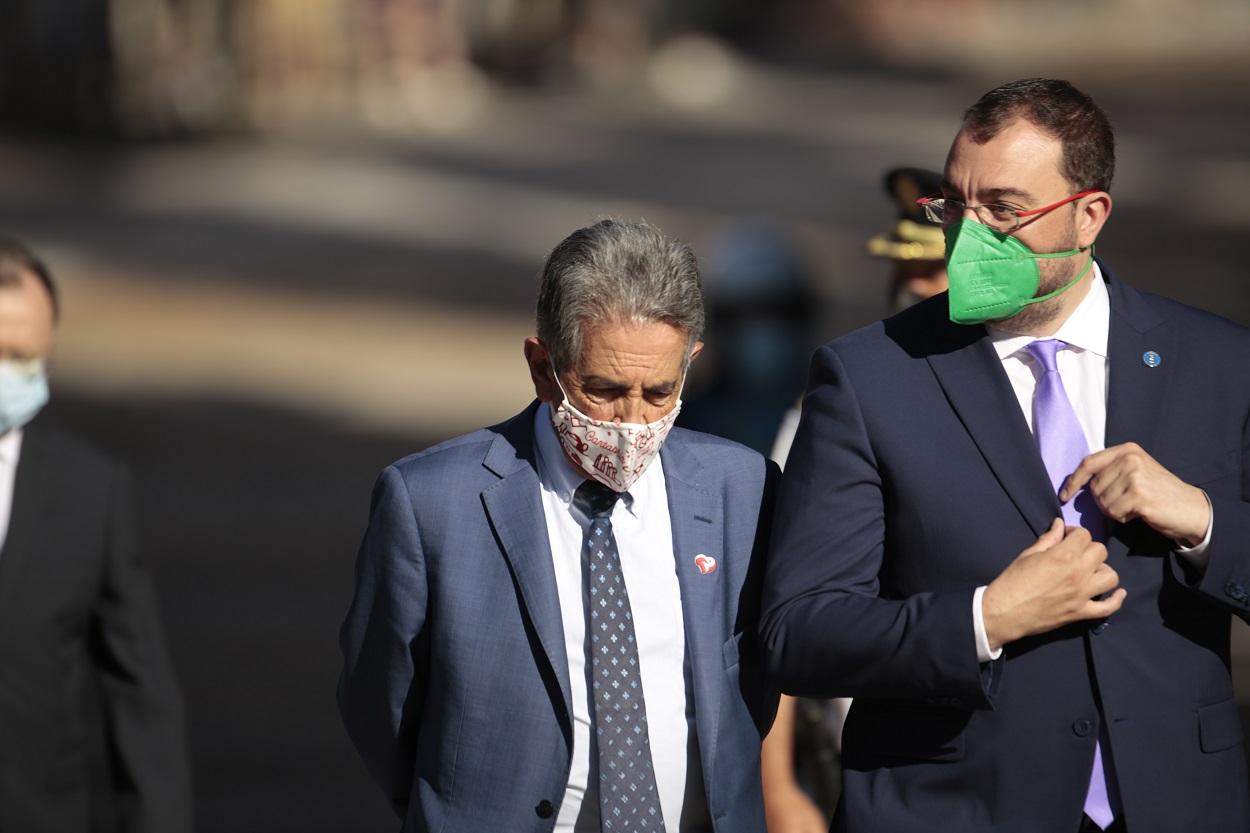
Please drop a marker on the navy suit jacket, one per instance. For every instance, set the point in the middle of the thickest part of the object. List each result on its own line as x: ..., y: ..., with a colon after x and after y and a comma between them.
x: 913, y: 480
x: 455, y: 682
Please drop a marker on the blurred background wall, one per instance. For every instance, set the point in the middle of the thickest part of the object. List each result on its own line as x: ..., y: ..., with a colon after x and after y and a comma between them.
x: 299, y: 238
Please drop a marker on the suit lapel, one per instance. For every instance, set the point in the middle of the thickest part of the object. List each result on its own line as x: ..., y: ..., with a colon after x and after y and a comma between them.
x: 514, y: 506
x: 697, y: 518
x: 32, y: 494
x: 977, y: 387
x: 1136, y: 392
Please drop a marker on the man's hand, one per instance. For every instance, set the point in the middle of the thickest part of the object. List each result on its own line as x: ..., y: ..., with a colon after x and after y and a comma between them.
x: 792, y: 811
x: 787, y: 809
x: 1050, y: 584
x: 1128, y: 483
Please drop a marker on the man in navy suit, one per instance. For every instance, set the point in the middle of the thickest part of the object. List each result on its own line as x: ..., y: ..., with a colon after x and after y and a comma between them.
x: 554, y: 624
x: 1014, y: 522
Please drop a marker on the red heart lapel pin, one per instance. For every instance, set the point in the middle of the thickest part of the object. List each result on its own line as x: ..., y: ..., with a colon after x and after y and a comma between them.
x: 705, y: 563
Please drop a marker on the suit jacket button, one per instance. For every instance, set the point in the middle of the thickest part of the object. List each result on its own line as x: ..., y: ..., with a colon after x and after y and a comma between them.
x: 1082, y: 727
x: 544, y: 809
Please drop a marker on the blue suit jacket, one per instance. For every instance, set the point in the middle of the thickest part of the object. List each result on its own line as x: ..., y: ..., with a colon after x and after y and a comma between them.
x: 913, y: 480
x: 455, y: 683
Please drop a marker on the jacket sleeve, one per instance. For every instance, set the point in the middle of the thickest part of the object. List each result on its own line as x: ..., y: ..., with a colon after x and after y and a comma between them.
x: 1226, y: 579
x: 381, y: 691
x: 759, y: 688
x: 828, y: 629
x: 151, y: 779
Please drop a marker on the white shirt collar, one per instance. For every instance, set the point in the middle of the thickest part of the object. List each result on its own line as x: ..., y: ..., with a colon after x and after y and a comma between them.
x: 1087, y: 328
x: 556, y: 475
x: 10, y: 444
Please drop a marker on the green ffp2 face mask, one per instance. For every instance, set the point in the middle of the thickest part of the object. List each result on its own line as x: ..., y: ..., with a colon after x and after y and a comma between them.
x: 993, y: 275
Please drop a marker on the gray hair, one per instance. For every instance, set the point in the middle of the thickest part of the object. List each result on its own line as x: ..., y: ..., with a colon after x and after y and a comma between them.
x: 616, y: 272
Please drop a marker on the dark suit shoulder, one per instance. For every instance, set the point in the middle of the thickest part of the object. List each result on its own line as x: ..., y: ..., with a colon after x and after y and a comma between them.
x: 55, y: 450
x: 452, y: 452
x: 468, y: 452
x: 718, y: 458
x: 1203, y: 323
x: 721, y: 445
x: 914, y: 333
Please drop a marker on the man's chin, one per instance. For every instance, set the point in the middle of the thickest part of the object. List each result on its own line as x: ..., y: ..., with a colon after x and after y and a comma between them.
x: 1033, y: 319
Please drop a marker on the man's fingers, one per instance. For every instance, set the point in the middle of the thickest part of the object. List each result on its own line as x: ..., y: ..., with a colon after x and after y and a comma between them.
x: 1077, y: 480
x: 1089, y: 467
x: 1103, y: 580
x: 1101, y: 609
x: 1051, y: 536
x: 1116, y: 497
x: 1076, y: 539
x: 1047, y: 539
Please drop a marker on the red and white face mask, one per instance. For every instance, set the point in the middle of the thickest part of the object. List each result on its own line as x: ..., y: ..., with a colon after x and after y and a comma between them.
x: 614, y: 453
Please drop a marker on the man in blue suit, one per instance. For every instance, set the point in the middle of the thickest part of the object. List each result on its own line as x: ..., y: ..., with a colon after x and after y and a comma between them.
x: 554, y: 625
x: 1014, y: 522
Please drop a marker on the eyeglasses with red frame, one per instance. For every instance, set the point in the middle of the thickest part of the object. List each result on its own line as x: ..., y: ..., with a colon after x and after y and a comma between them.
x: 1002, y: 218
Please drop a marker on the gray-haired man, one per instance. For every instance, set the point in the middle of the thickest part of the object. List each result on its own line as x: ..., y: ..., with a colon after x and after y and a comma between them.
x: 553, y: 626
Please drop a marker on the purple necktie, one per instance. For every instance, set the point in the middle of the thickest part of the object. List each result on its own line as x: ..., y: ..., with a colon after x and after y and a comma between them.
x: 1063, y: 447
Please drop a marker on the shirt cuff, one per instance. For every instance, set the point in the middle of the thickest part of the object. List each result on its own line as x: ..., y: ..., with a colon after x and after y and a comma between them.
x: 984, y: 654
x: 1197, y: 555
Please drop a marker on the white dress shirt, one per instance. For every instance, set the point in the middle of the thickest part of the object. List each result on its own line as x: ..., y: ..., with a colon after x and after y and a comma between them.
x: 644, y: 537
x: 1084, y: 367
x: 10, y: 451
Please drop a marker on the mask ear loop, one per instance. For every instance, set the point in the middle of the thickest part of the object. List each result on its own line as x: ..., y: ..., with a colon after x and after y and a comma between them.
x: 1089, y: 265
x: 566, y: 404
x: 556, y: 376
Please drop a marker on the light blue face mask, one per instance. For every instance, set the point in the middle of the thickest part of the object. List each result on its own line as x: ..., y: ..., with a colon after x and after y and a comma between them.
x: 23, y: 392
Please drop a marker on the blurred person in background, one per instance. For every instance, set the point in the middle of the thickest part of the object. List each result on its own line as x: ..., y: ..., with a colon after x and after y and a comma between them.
x: 914, y: 245
x: 916, y: 250
x: 1015, y: 524
x: 554, y: 618
x: 800, y: 756
x: 760, y: 327
x: 89, y: 708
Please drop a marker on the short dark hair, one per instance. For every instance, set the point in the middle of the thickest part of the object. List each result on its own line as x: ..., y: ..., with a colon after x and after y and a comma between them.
x: 1060, y: 110
x: 16, y: 258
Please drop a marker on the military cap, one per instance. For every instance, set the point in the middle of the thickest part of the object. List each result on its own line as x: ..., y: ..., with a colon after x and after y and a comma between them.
x: 913, y: 236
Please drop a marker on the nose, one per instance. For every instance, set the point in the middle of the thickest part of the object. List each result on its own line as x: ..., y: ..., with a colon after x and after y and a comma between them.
x: 632, y: 410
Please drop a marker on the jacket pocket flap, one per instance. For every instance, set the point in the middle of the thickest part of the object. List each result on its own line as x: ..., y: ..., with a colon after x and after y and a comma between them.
x: 1219, y: 726
x: 1210, y: 469
x: 729, y: 650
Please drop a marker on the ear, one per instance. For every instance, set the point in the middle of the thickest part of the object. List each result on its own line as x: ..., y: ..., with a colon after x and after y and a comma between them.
x: 1092, y: 213
x: 541, y: 371
x: 695, y: 350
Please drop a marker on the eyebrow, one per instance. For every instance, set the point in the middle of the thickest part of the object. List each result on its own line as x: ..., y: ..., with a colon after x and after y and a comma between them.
x: 992, y: 194
x: 603, y: 382
x: 661, y: 389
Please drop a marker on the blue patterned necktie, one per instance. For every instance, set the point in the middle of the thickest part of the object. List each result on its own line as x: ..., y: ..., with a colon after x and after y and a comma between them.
x: 628, y: 800
x: 1062, y: 444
